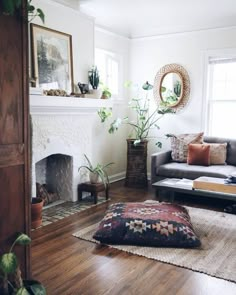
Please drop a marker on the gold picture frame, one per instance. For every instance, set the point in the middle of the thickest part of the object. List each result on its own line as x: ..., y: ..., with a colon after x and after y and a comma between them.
x: 52, y: 63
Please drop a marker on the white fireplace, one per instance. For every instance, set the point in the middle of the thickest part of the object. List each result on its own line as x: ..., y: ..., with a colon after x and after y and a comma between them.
x: 62, y: 126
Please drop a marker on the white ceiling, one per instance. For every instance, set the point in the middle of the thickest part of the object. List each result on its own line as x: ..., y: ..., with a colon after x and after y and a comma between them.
x: 140, y: 18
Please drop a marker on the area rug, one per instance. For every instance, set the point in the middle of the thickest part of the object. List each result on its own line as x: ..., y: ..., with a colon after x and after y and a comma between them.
x: 216, y: 257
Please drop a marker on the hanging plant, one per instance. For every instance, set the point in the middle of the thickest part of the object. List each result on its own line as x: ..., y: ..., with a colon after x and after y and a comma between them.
x: 11, y: 7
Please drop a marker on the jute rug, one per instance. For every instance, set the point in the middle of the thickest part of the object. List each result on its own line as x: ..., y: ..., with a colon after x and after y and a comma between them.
x: 216, y: 257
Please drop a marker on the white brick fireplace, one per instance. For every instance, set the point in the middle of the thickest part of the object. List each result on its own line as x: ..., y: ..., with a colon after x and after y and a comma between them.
x: 62, y: 126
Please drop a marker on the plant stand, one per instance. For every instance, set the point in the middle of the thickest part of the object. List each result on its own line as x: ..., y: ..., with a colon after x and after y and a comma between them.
x: 93, y: 188
x: 136, y: 172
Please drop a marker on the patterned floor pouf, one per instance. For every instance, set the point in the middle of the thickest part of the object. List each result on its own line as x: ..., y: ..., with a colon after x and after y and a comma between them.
x: 147, y: 224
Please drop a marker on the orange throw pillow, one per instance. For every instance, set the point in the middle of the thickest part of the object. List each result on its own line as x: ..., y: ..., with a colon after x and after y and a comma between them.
x: 198, y: 154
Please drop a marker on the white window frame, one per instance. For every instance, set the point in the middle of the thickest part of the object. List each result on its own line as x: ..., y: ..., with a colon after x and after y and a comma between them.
x: 119, y: 59
x: 207, y: 101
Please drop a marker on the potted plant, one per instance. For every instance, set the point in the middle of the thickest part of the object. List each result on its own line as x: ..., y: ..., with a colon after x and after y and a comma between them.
x: 10, y: 273
x: 106, y: 93
x: 36, y: 212
x: 10, y: 7
x: 93, y: 76
x: 146, y: 120
x: 97, y: 171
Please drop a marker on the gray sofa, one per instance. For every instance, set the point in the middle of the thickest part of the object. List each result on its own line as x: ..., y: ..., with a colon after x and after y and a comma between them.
x: 163, y: 167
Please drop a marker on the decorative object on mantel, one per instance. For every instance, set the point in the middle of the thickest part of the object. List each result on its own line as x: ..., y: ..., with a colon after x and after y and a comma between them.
x: 172, y: 86
x: 52, y: 58
x: 84, y: 88
x: 55, y: 92
x: 136, y: 172
x: 106, y: 93
x: 93, y: 76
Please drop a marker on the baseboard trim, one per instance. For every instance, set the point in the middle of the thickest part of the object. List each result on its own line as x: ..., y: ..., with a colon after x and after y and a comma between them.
x: 117, y: 177
x: 121, y: 175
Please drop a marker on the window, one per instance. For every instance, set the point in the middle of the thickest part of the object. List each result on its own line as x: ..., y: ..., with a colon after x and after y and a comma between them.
x: 221, y: 93
x: 109, y: 66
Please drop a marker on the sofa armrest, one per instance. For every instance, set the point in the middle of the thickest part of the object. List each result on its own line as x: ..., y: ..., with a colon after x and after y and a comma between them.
x: 157, y: 160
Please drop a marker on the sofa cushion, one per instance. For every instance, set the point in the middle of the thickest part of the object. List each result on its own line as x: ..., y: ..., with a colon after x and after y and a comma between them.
x: 231, y: 147
x: 198, y: 154
x: 218, y: 153
x: 147, y: 224
x: 179, y: 145
x: 183, y: 170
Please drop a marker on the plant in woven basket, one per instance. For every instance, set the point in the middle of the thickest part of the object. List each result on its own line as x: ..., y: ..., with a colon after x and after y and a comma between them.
x: 97, y: 171
x: 145, y: 120
x: 10, y: 273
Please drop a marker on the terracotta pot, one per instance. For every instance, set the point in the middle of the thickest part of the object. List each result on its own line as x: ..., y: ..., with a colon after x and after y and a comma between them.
x: 36, y: 212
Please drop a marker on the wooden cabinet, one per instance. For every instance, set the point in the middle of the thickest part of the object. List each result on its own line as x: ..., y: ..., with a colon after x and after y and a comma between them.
x: 14, y: 139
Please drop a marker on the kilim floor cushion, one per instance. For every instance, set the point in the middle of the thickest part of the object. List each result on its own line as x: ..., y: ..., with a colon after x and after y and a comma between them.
x: 147, y: 224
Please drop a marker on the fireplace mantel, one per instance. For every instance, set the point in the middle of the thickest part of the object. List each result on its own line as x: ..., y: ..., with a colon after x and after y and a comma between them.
x: 45, y: 105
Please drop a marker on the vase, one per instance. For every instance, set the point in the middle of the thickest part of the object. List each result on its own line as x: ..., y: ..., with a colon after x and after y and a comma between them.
x: 136, y: 171
x: 97, y: 93
x: 36, y: 212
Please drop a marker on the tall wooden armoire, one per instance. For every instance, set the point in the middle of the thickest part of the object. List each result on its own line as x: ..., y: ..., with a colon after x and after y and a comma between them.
x: 14, y: 135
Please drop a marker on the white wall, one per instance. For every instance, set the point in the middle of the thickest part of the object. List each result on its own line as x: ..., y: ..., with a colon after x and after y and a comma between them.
x: 81, y: 27
x: 112, y: 147
x: 148, y: 55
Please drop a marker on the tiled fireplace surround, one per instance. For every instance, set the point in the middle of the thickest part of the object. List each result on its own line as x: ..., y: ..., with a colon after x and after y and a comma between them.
x: 62, y: 126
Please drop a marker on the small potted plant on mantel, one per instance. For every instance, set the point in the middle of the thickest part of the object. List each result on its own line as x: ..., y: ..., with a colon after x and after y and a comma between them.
x: 93, y: 76
x: 11, y: 281
x: 146, y: 120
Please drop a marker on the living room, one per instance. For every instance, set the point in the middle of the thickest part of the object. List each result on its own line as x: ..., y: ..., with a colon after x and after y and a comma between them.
x: 187, y: 38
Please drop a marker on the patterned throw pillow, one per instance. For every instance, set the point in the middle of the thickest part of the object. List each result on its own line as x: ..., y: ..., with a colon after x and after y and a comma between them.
x: 154, y: 224
x: 218, y: 153
x: 179, y: 145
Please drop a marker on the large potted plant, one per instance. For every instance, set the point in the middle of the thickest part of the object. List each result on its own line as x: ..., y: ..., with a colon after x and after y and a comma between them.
x: 143, y: 121
x: 11, y: 281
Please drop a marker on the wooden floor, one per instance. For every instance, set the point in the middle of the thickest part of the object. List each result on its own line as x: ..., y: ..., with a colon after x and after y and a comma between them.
x: 67, y: 265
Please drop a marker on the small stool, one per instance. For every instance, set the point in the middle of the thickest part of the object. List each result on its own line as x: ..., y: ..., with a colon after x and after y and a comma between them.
x: 93, y: 188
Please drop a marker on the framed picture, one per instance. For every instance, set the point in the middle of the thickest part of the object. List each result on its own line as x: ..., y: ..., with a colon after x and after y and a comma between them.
x: 52, y: 59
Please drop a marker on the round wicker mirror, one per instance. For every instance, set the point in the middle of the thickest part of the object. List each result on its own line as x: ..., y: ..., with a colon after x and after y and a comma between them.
x: 172, y: 86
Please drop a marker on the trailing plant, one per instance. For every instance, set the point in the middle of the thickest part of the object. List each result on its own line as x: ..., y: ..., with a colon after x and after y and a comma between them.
x: 93, y: 75
x: 145, y: 120
x: 11, y: 7
x: 11, y: 274
x: 98, y: 169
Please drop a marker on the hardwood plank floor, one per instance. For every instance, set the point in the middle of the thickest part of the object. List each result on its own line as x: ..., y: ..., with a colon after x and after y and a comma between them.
x: 70, y: 266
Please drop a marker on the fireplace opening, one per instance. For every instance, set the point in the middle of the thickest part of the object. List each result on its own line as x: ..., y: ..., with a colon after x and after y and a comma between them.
x: 54, y: 178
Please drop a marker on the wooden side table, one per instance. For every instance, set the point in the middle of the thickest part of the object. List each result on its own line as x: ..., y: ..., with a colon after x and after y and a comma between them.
x: 94, y: 189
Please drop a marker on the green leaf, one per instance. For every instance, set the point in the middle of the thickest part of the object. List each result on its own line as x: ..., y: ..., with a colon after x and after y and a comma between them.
x: 163, y: 89
x: 22, y: 291
x: 23, y: 239
x: 38, y: 289
x: 137, y: 141
x: 8, y: 6
x: 159, y: 144
x: 127, y: 84
x: 41, y: 14
x: 30, y: 8
x: 147, y: 86
x: 8, y: 263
